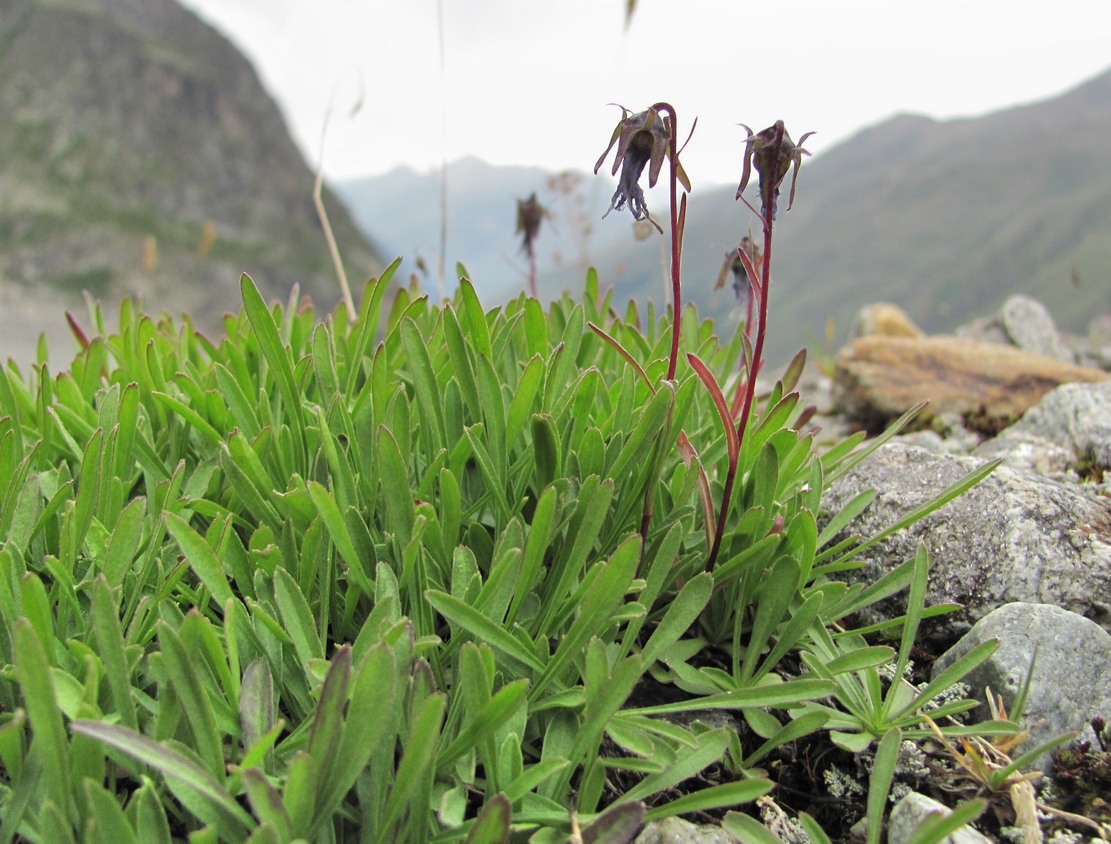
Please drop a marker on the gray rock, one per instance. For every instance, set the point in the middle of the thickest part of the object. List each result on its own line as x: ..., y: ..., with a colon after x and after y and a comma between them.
x: 1023, y: 322
x: 1029, y: 326
x: 1077, y: 417
x: 679, y: 831
x: 984, y: 328
x: 1071, y: 679
x: 1014, y: 537
x: 909, y: 814
x: 1032, y: 455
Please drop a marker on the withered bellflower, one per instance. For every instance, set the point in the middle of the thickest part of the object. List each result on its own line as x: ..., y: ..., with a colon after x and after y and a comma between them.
x: 640, y: 138
x: 771, y: 152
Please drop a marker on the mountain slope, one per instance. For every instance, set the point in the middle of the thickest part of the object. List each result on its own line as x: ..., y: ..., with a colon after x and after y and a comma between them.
x: 402, y: 209
x: 943, y: 218
x: 140, y: 154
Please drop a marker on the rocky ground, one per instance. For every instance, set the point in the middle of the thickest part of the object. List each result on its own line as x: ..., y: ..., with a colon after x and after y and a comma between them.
x: 1027, y: 553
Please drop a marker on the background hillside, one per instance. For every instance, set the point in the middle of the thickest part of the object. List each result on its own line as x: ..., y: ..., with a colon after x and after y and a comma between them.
x: 943, y: 218
x: 140, y: 155
x: 402, y: 209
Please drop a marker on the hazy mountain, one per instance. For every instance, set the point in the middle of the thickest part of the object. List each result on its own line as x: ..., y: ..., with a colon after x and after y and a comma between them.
x: 402, y: 209
x: 944, y: 218
x: 140, y: 154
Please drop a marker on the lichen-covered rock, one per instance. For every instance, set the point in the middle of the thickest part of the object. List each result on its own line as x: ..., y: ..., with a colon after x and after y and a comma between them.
x: 1023, y: 322
x: 879, y: 378
x: 679, y: 831
x: 1070, y: 683
x: 909, y: 814
x: 1075, y: 418
x: 1014, y: 537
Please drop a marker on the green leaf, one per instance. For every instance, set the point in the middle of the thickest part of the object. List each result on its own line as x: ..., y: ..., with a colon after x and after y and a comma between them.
x: 939, y: 826
x: 485, y: 723
x: 200, y: 556
x: 32, y: 671
x: 372, y: 707
x: 126, y: 537
x: 111, y: 824
x: 327, y: 722
x: 474, y: 320
x: 793, y: 730
x: 267, y: 804
x: 424, y: 383
x: 205, y: 795
x: 748, y: 829
x: 711, y: 748
x: 276, y: 354
x: 194, y: 699
x: 524, y: 397
x: 491, y: 826
x: 151, y: 824
x: 859, y: 659
x: 416, y: 764
x: 684, y: 610
x: 298, y: 617
x: 482, y: 628
x: 104, y: 616
x: 879, y: 783
x: 952, y: 673
x: 341, y: 538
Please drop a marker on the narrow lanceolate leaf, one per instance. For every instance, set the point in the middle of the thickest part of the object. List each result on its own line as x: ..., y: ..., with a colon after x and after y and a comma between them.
x: 194, y: 699
x: 424, y: 382
x: 731, y: 439
x: 879, y: 784
x: 492, y: 824
x: 179, y: 770
x: 297, y: 616
x: 473, y: 621
x: 201, y: 557
x: 714, y: 797
x: 625, y: 353
x: 369, y: 713
x: 256, y: 702
x: 327, y: 725
x: 109, y: 640
x: 495, y: 712
x: 111, y: 823
x: 32, y: 670
x: 691, y: 459
x: 277, y: 356
x: 415, y: 768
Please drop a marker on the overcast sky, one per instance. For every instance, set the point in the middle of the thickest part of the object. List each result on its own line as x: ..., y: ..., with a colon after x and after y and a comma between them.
x: 528, y: 81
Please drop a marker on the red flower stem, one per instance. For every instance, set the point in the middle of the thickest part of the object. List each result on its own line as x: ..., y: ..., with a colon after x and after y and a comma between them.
x: 761, y: 328
x: 676, y: 292
x: 749, y: 387
x: 726, y: 494
x: 531, y: 269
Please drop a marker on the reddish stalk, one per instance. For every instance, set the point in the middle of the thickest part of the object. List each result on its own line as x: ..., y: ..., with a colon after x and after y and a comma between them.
x: 676, y: 290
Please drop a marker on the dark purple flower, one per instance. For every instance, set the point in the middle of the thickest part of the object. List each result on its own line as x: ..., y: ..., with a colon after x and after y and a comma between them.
x: 530, y: 214
x: 640, y: 138
x: 771, y: 152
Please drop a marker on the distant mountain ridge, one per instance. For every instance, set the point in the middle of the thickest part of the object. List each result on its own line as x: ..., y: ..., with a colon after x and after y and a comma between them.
x: 944, y: 218
x: 402, y: 209
x: 140, y: 154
